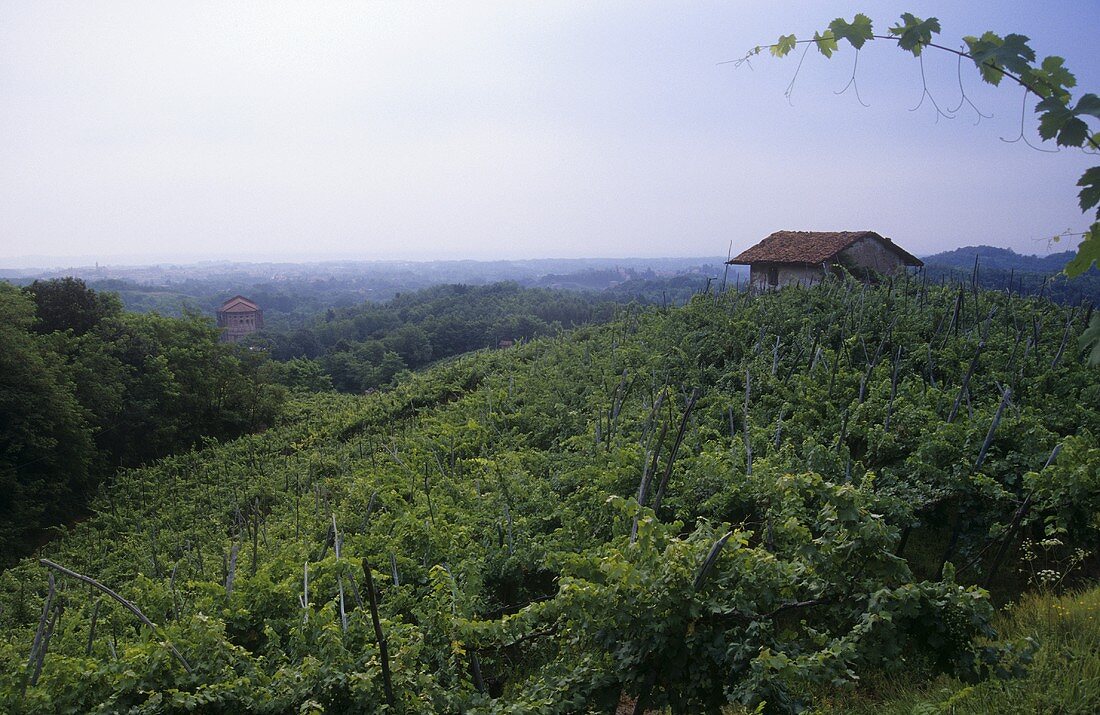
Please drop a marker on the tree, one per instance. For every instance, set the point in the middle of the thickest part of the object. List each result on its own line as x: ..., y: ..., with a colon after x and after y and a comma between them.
x: 68, y: 304
x: 298, y: 374
x: 45, y: 443
x: 179, y: 384
x: 85, y: 388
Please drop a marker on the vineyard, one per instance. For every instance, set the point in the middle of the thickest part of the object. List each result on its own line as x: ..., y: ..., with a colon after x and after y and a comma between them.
x: 750, y: 501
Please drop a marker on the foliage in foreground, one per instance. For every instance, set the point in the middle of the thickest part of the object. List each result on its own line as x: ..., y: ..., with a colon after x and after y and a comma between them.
x: 753, y: 499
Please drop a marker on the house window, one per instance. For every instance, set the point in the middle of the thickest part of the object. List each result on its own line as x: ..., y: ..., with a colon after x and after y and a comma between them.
x: 773, y: 276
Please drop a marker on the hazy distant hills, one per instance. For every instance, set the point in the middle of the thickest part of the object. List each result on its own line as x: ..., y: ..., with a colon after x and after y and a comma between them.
x: 1004, y: 269
x: 1000, y: 258
x: 291, y: 293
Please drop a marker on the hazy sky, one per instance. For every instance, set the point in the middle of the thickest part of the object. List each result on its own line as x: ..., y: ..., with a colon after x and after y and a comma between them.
x: 189, y: 130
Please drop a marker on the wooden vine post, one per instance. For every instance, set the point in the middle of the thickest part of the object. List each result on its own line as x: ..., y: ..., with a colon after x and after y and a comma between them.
x: 383, y: 647
x: 125, y: 604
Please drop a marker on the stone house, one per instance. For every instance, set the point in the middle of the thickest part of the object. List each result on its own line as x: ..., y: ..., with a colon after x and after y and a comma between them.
x: 806, y: 257
x: 238, y: 317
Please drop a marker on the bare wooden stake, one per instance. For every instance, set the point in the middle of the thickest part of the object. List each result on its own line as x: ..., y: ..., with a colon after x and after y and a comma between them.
x: 835, y: 366
x: 340, y: 580
x: 956, y: 313
x: 675, y: 449
x: 966, y: 381
x: 304, y: 598
x: 43, y: 623
x: 370, y: 509
x: 708, y: 562
x: 746, y: 426
x: 893, y: 390
x: 475, y: 667
x: 254, y: 527
x: 1005, y: 397
x: 508, y: 518
x: 171, y: 587
x: 383, y: 649
x: 126, y: 604
x: 1065, y: 338
x: 355, y: 591
x: 231, y: 573
x: 428, y: 494
x: 45, y: 646
x: 91, y: 629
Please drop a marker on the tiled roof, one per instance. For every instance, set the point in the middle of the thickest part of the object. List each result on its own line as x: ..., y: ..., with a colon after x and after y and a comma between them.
x: 812, y: 247
x: 238, y: 303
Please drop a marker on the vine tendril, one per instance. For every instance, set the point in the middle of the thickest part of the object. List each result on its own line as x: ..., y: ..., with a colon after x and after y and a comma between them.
x: 790, y: 87
x: 853, y: 83
x: 1023, y: 137
x: 964, y: 98
x: 926, y: 93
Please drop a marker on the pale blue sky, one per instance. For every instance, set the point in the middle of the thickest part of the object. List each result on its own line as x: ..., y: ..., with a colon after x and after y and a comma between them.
x: 506, y: 130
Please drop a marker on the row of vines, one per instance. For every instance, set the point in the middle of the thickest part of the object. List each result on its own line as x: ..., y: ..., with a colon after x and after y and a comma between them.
x: 751, y: 499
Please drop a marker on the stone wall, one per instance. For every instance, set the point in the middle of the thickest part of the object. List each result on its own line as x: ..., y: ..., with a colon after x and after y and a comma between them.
x: 787, y: 274
x: 867, y: 253
x: 236, y: 325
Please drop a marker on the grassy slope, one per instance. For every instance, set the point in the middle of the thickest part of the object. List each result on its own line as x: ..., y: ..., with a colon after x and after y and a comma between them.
x: 1064, y: 676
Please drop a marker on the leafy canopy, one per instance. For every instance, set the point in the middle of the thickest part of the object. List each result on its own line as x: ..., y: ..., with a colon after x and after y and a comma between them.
x: 915, y: 33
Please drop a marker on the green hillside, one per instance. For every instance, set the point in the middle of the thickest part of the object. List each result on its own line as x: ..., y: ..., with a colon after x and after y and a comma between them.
x: 996, y: 268
x: 760, y: 501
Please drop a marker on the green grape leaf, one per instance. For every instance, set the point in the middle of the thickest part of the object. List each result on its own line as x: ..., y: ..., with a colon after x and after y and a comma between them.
x: 994, y: 55
x: 1054, y: 117
x: 783, y: 46
x: 1059, y: 120
x: 1088, y: 104
x: 915, y: 33
x: 826, y: 43
x: 1015, y: 53
x: 1090, y: 340
x: 1088, y: 253
x: 978, y: 48
x: 1073, y: 133
x: 857, y: 32
x: 1090, y: 194
x: 1051, y: 79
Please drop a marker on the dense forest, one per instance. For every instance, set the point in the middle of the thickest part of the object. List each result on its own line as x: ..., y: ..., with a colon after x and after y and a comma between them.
x: 765, y: 502
x: 86, y: 389
x: 366, y: 346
